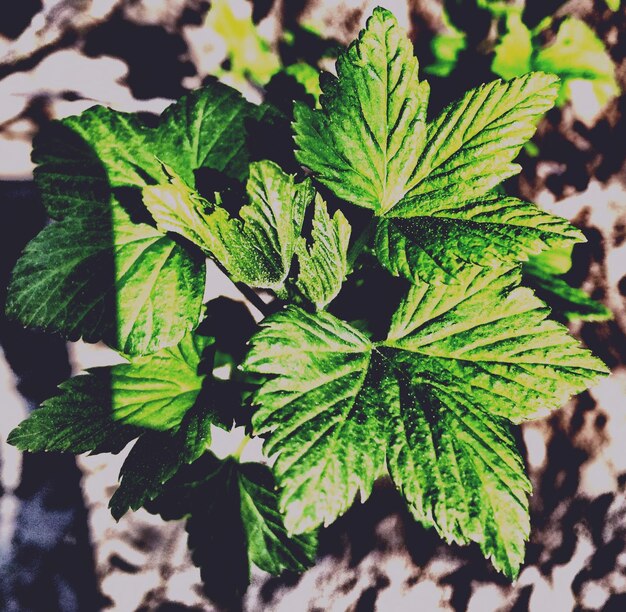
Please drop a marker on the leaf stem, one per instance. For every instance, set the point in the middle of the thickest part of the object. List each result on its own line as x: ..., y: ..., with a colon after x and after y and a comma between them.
x: 242, y: 445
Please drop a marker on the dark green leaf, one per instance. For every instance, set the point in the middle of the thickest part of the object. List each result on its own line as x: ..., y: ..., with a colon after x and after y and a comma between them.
x: 233, y: 521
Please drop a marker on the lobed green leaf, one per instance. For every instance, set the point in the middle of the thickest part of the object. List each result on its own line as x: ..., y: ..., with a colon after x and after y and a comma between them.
x: 365, y: 140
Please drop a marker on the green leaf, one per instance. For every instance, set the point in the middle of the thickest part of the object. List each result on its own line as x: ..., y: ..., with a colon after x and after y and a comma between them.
x: 567, y: 301
x: 204, y: 129
x: 249, y: 53
x: 435, y: 398
x: 323, y: 265
x: 369, y: 143
x: 444, y: 236
x: 257, y: 248
x: 459, y: 469
x: 513, y: 53
x: 99, y: 276
x: 365, y: 140
x: 156, y: 399
x: 320, y: 413
x: 157, y: 456
x: 98, y: 273
x: 232, y: 521
x: 78, y: 420
x: 471, y: 143
x: 577, y: 53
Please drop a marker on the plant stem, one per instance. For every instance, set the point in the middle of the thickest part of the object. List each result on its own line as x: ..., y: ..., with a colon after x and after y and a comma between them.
x: 241, y: 447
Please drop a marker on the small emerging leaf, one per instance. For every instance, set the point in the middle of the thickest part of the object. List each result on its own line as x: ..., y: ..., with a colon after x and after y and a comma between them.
x: 323, y: 266
x: 257, y: 248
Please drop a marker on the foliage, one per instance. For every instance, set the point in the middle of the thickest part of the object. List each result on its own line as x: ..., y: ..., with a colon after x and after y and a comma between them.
x: 567, y: 47
x: 422, y: 380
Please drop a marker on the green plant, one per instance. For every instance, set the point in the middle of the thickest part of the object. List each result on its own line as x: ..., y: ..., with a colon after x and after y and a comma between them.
x: 399, y: 340
x: 567, y: 47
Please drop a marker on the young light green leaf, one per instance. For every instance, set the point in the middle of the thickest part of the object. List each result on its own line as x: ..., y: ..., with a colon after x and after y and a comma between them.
x: 365, y: 140
x: 445, y: 236
x: 233, y: 522
x: 513, y: 53
x: 99, y: 276
x: 308, y: 76
x: 257, y: 248
x: 590, y: 61
x: 320, y: 414
x: 323, y: 265
x: 470, y: 145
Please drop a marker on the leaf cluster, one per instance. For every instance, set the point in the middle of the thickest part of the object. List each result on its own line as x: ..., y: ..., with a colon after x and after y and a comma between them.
x: 399, y: 340
x: 528, y: 36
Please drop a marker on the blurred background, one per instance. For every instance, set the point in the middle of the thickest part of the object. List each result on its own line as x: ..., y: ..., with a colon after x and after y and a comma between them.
x: 59, y: 547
